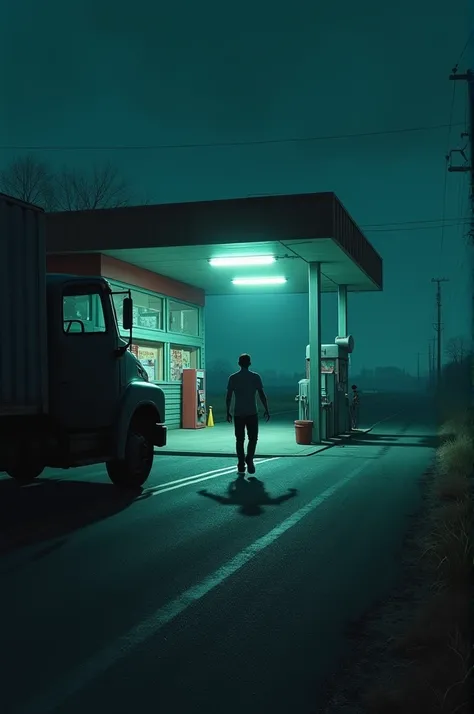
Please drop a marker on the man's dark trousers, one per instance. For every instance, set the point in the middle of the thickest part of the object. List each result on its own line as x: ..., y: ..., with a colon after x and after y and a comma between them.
x: 251, y: 424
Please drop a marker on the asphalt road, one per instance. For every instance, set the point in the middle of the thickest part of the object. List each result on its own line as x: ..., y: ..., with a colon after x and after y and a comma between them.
x: 181, y: 601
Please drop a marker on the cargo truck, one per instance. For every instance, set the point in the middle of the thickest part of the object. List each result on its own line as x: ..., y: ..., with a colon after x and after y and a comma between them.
x: 71, y: 391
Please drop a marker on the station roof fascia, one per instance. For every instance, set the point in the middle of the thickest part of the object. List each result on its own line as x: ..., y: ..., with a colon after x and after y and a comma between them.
x: 177, y: 241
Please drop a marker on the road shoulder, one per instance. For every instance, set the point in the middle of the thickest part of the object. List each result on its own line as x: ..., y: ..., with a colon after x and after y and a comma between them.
x: 371, y: 661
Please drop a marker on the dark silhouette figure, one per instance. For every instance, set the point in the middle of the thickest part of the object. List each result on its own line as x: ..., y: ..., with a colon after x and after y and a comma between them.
x: 249, y: 495
x: 354, y: 407
x: 244, y: 386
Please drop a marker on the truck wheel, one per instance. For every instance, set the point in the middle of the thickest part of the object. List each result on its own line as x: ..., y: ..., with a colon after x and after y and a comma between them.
x: 133, y: 470
x: 24, y: 472
x: 25, y: 461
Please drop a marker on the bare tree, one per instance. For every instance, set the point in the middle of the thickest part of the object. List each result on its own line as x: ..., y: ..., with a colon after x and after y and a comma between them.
x: 78, y: 191
x: 29, y: 179
x: 456, y: 349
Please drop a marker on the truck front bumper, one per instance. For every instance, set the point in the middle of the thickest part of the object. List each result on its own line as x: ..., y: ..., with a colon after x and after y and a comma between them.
x: 159, y: 436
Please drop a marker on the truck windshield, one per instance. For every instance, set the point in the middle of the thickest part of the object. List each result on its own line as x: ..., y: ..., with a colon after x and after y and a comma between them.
x: 114, y: 312
x: 83, y: 313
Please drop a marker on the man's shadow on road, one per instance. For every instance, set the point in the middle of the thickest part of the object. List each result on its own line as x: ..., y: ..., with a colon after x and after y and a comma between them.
x: 250, y: 495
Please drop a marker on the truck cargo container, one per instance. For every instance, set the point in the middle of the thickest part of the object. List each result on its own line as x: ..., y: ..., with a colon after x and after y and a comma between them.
x: 23, y: 345
x: 71, y: 391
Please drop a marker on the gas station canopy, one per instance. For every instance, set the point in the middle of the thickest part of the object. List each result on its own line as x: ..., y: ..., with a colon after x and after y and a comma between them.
x: 180, y: 241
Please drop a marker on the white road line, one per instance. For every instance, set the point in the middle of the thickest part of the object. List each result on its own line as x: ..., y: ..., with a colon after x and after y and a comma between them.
x: 97, y: 474
x: 158, y: 490
x: 102, y: 661
x: 218, y: 472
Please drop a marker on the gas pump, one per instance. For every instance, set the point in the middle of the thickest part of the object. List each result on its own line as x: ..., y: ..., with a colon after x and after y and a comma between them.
x: 334, y: 387
x: 328, y: 394
x: 303, y: 399
x: 194, y: 399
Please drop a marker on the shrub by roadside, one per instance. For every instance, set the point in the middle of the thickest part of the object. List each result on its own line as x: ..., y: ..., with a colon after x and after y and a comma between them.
x: 414, y: 656
x: 437, y: 644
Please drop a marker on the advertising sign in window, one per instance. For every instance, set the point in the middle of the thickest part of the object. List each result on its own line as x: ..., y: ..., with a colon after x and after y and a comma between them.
x: 182, y: 358
x: 151, y: 360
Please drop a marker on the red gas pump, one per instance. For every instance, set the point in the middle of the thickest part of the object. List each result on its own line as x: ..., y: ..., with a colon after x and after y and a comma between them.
x: 194, y: 399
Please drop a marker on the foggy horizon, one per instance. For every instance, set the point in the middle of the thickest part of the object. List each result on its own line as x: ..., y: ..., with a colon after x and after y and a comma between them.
x: 279, y: 80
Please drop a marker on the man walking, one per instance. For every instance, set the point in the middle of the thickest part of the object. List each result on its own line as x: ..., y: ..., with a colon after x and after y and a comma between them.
x: 245, y: 385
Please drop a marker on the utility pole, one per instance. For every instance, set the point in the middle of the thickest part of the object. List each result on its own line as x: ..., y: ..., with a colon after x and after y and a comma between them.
x: 467, y: 166
x: 431, y: 361
x: 438, y: 326
x: 433, y: 352
x: 430, y: 367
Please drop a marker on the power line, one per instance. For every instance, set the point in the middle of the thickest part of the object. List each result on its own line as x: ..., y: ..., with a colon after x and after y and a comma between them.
x: 406, y: 223
x: 396, y: 229
x: 469, y: 38
x: 223, y: 144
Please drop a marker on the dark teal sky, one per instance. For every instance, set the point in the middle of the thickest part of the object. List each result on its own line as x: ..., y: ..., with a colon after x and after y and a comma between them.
x: 113, y: 73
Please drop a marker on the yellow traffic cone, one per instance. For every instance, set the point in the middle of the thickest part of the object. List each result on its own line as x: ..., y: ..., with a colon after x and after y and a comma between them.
x: 210, y: 418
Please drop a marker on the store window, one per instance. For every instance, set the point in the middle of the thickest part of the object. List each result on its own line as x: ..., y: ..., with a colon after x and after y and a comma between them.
x: 183, y: 318
x: 147, y: 309
x: 150, y: 355
x: 182, y: 358
x: 83, y: 313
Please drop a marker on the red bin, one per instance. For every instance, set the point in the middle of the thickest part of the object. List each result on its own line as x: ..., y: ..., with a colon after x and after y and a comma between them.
x: 304, y: 432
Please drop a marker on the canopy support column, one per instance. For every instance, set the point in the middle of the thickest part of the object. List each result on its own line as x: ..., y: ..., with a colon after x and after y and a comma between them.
x: 314, y: 290
x: 342, y: 311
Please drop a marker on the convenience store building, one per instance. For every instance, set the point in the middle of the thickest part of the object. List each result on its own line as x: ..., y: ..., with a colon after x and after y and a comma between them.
x: 165, y: 253
x: 168, y: 319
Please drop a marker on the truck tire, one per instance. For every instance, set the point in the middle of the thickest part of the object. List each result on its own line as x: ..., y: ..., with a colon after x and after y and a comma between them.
x: 133, y: 470
x: 25, y: 461
x: 24, y: 471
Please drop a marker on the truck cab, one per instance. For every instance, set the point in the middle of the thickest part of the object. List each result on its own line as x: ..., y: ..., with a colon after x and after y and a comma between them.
x: 101, y: 407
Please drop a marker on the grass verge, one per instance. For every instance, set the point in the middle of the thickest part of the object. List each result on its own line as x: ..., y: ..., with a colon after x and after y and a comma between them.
x: 415, y: 655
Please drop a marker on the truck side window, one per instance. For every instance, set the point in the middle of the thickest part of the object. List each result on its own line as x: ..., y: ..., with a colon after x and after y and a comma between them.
x: 83, y: 314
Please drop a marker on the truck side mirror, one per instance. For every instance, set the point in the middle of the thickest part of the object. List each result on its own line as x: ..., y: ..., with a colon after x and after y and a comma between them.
x: 127, y: 313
